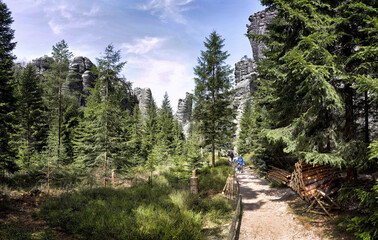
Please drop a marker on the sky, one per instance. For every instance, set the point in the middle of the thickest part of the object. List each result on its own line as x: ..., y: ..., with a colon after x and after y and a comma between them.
x: 159, y: 39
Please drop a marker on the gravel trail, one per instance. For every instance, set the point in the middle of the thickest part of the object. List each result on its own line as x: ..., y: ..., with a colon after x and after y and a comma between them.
x: 265, y: 212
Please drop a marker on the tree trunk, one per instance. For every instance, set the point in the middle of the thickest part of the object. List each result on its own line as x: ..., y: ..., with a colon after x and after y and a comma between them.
x: 349, y: 127
x: 213, y: 153
x: 59, y: 114
x: 366, y: 115
x: 105, y: 154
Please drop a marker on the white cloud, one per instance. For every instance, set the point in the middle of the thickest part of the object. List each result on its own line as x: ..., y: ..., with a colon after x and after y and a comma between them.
x: 66, y: 16
x: 173, y: 77
x: 143, y: 45
x: 167, y: 9
x: 93, y: 12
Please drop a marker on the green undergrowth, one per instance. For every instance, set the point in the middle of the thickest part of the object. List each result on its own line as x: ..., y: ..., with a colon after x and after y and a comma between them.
x: 165, y: 210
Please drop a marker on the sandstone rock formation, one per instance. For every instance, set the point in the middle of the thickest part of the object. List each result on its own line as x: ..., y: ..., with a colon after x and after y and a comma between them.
x: 259, y: 22
x: 184, y: 111
x: 245, y: 70
x: 144, y: 97
x: 80, y: 78
x: 244, y: 85
x: 42, y: 64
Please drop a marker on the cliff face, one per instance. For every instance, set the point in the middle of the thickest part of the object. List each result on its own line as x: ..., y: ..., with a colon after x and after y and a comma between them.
x: 80, y: 78
x: 244, y: 85
x: 42, y: 64
x: 259, y: 22
x: 144, y: 97
x: 245, y: 70
x: 184, y: 111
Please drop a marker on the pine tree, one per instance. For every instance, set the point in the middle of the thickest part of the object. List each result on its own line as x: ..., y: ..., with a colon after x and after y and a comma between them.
x: 53, y: 94
x: 150, y: 130
x: 297, y: 82
x: 213, y: 95
x: 32, y: 125
x: 246, y: 129
x: 7, y: 100
x: 104, y: 124
x: 165, y: 124
x: 135, y: 141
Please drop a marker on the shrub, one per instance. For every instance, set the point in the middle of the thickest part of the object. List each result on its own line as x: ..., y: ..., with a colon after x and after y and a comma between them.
x: 364, y: 226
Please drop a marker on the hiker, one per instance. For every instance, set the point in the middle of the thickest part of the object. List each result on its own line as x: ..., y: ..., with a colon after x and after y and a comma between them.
x: 240, y: 162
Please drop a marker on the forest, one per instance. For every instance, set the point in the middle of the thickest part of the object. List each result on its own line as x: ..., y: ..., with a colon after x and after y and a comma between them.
x: 97, y: 166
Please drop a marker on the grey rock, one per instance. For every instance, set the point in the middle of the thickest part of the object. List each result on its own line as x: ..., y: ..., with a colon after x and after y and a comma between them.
x: 244, y: 85
x: 184, y: 112
x: 144, y: 97
x: 259, y: 22
x: 42, y: 64
x: 80, y: 78
x: 88, y: 81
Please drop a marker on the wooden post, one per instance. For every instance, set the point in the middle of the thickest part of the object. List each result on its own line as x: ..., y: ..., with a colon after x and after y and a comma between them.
x: 194, y: 183
x: 113, y: 177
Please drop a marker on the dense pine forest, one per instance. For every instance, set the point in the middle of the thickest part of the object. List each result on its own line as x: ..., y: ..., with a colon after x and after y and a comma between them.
x: 103, y: 167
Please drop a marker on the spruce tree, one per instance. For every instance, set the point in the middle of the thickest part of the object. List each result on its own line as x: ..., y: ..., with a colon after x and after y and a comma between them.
x: 297, y: 82
x: 103, y: 126
x: 165, y: 124
x: 150, y: 130
x: 305, y: 84
x: 7, y: 100
x: 246, y: 129
x: 32, y: 124
x: 54, y: 97
x: 213, y: 95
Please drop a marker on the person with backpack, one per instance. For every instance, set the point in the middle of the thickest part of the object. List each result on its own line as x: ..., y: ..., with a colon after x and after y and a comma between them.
x: 241, y: 163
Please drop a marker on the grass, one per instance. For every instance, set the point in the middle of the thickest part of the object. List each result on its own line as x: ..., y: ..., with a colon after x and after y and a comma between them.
x: 166, y: 210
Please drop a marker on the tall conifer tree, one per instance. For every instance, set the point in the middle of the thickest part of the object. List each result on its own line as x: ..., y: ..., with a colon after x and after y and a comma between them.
x: 7, y: 101
x: 32, y: 124
x: 165, y: 123
x: 246, y: 129
x: 104, y: 115
x: 213, y: 95
x: 54, y: 96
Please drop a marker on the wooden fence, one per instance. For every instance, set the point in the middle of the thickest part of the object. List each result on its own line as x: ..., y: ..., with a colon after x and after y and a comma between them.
x: 236, y: 219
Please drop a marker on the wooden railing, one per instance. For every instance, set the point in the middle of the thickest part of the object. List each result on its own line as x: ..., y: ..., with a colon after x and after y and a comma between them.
x: 236, y: 219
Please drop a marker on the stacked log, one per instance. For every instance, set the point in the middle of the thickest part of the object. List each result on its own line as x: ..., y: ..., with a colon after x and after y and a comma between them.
x: 279, y: 175
x: 306, y: 179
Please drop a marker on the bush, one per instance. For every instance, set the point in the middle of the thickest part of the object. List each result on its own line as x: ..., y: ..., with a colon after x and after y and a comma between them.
x: 364, y: 226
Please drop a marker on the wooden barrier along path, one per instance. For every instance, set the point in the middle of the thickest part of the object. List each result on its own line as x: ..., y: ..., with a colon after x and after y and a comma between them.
x: 236, y: 219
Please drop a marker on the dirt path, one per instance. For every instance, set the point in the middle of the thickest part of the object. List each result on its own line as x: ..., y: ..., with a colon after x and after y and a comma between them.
x: 266, y: 214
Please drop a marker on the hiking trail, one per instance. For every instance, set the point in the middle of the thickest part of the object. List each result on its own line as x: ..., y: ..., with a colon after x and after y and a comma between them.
x: 265, y: 212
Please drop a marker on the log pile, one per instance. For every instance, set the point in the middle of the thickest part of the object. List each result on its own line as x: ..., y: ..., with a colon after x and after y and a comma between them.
x: 306, y: 179
x: 279, y: 175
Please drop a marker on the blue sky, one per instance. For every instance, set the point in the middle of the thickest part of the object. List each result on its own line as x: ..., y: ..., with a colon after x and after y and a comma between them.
x: 159, y: 39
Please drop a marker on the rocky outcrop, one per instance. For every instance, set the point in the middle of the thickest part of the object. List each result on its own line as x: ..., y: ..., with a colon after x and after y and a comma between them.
x: 184, y: 111
x: 80, y: 78
x: 259, y: 22
x: 144, y: 97
x: 42, y: 64
x: 244, y: 85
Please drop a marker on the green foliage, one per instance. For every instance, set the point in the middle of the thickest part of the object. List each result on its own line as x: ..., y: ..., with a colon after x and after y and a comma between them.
x: 7, y: 101
x: 247, y: 126
x: 53, y: 97
x: 212, y: 95
x: 194, y: 158
x: 305, y: 105
x: 138, y: 212
x: 32, y: 126
x: 166, y: 126
x: 214, y: 178
x: 364, y: 226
